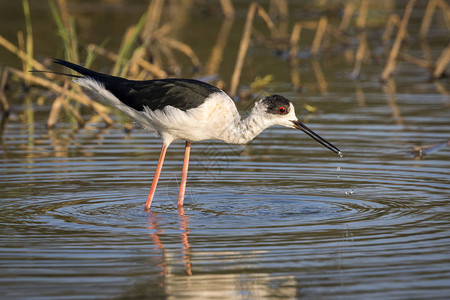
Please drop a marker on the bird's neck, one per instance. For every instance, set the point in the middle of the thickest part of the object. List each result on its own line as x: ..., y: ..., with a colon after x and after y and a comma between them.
x: 244, y: 130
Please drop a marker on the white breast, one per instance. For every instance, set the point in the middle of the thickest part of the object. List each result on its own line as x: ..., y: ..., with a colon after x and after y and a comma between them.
x: 208, y: 121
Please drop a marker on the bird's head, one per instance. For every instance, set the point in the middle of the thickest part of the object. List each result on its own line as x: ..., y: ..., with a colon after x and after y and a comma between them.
x: 277, y: 110
x: 280, y: 111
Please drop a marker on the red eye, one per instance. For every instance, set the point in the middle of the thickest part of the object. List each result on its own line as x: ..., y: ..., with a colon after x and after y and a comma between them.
x: 282, y: 110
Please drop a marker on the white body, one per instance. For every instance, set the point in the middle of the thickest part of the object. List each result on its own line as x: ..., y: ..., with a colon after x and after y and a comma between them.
x: 217, y: 118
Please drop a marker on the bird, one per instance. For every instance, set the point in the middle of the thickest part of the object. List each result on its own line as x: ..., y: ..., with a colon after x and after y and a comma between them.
x: 178, y: 109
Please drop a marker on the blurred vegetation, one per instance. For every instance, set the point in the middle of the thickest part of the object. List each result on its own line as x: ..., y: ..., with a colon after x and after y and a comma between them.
x: 147, y: 49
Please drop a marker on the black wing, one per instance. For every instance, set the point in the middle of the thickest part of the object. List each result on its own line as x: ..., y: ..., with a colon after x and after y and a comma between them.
x: 183, y: 94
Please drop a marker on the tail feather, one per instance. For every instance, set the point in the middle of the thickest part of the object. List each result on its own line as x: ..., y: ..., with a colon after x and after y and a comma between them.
x: 57, y: 73
x: 83, y: 71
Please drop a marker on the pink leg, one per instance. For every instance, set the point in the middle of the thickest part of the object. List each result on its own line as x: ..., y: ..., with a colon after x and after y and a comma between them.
x: 187, y: 151
x: 155, y: 178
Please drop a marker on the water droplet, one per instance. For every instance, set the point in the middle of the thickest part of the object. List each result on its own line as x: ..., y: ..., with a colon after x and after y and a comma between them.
x: 349, y: 192
x: 341, y: 155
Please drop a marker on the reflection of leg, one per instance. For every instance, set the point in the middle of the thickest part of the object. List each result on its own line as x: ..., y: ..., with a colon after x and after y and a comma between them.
x: 153, y: 226
x: 185, y: 240
x: 156, y: 178
x: 184, y: 174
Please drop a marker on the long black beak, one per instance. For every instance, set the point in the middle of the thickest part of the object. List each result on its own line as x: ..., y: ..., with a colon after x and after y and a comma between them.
x: 300, y: 126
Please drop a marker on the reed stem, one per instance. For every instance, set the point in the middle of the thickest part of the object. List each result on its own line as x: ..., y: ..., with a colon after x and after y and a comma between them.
x: 245, y: 41
x: 391, y: 62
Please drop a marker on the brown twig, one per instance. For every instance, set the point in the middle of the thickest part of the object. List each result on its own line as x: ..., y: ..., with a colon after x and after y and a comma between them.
x: 265, y: 16
x: 362, y: 37
x: 441, y: 63
x: 245, y: 41
x: 174, y: 66
x: 54, y: 111
x: 362, y: 48
x: 427, y: 17
x: 362, y: 15
x: 154, y: 13
x: 321, y: 29
x: 227, y: 8
x: 212, y: 67
x: 393, y: 21
x: 153, y: 69
x: 23, y: 56
x: 294, y: 40
x: 417, y: 61
x: 310, y: 25
x: 282, y: 6
x: 74, y: 112
x: 97, y: 107
x: 391, y: 62
x: 182, y: 47
x: 337, y: 34
x: 56, y: 108
x: 443, y: 5
x: 3, y: 99
x: 133, y: 66
x: 346, y: 17
x: 293, y: 51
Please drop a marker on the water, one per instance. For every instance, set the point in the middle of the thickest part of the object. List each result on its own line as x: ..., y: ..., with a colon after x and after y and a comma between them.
x: 283, y: 217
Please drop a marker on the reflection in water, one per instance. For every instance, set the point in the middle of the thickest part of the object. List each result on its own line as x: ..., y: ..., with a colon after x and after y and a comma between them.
x: 166, y: 262
x: 443, y: 91
x: 153, y: 225
x: 185, y: 239
x: 420, y: 151
x: 232, y: 286
x: 293, y: 56
x: 389, y: 88
x: 3, y: 120
x: 29, y: 119
x: 207, y: 286
x: 320, y: 77
x: 60, y: 145
x: 360, y: 94
x: 268, y: 221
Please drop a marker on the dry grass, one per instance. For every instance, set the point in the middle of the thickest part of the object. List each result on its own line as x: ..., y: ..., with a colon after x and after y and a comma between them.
x: 148, y: 49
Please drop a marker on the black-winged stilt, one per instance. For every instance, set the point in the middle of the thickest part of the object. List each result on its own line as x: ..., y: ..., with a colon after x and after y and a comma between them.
x: 189, y: 110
